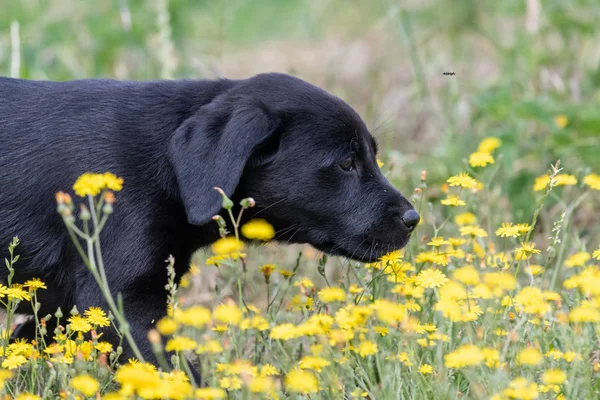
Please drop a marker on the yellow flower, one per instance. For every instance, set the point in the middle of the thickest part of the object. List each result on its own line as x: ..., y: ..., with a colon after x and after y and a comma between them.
x: 464, y: 356
x: 380, y: 163
x: 14, y: 361
x: 431, y: 278
x: 227, y: 245
x: 596, y: 254
x: 367, y: 348
x: 301, y: 302
x: 491, y: 357
x: 233, y: 383
x: 426, y: 369
x: 180, y: 343
x: 508, y: 230
x: 312, y: 362
x: 480, y: 159
x: 554, y: 377
x: 329, y: 295
x: 285, y: 273
x: 258, y: 229
x: 92, y: 184
x: 463, y: 180
x: 593, y: 181
x: 523, y: 389
x: 228, y: 313
x: 437, y: 242
x: 78, y: 323
x: 34, y: 284
x: 561, y: 120
x: 196, y: 316
x: 285, y: 331
x: 305, y: 282
x: 467, y: 275
x: 209, y: 393
x: 523, y: 228
x: 16, y: 292
x: 301, y: 381
x: 466, y: 218
x: 96, y: 317
x: 167, y: 326
x: 541, y: 182
x: 453, y: 201
x: 355, y: 289
x: 104, y: 347
x: 473, y: 230
x: 584, y: 313
x: 529, y: 356
x: 216, y: 260
x: 268, y: 370
x: 525, y: 251
x: 85, y: 384
x: 577, y: 260
x: 211, y: 346
x: 489, y: 144
x: 261, y: 384
x: 28, y: 396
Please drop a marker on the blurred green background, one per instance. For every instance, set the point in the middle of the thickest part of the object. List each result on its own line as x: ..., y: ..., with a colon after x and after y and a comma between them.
x: 518, y: 65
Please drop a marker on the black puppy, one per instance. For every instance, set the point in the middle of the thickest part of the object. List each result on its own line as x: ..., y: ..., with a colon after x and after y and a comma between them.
x: 305, y: 156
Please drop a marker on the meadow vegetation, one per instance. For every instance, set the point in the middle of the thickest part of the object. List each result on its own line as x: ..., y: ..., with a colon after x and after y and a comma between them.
x: 497, y: 295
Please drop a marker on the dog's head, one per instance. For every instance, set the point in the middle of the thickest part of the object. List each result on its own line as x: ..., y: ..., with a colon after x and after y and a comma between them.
x: 305, y: 156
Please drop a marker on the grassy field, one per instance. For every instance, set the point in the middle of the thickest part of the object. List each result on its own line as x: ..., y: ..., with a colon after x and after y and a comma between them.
x: 497, y: 296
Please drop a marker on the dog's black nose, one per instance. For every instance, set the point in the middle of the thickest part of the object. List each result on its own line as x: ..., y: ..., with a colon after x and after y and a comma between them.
x: 411, y: 218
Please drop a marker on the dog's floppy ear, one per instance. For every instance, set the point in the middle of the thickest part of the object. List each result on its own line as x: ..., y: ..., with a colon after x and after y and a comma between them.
x: 212, y: 147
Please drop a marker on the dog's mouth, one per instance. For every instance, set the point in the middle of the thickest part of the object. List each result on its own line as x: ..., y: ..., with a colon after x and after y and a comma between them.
x: 371, y: 252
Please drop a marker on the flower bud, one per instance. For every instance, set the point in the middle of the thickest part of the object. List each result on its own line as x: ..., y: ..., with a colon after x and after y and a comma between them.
x: 154, y: 336
x: 109, y: 197
x: 227, y: 203
x: 58, y: 313
x: 248, y: 202
x: 423, y: 175
x: 84, y: 215
x: 107, y: 209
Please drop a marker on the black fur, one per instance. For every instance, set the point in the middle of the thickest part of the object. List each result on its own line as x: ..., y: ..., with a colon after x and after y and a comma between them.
x: 273, y: 137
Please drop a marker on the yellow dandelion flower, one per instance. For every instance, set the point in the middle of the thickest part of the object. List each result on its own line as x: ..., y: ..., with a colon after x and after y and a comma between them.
x: 330, y: 295
x: 584, y: 313
x: 473, y: 231
x: 34, y: 284
x: 367, y: 348
x: 209, y: 393
x: 596, y: 254
x: 305, y: 282
x: 380, y: 163
x: 464, y: 356
x: 554, y: 377
x: 529, y: 356
x: 261, y: 384
x: 541, y: 182
x: 216, y: 260
x: 465, y: 218
x: 578, y: 259
x: 301, y: 381
x: 92, y: 184
x: 77, y: 323
x: 480, y: 159
x: 431, y: 278
x: 491, y: 357
x: 467, y: 275
x: 593, y: 181
x: 523, y: 389
x: 561, y: 120
x: 85, y: 384
x: 104, y: 347
x: 28, y: 396
x: 230, y: 383
x: 195, y: 316
x: 392, y: 257
x: 285, y: 331
x: 258, y: 229
x: 227, y: 245
x: 285, y: 273
x: 355, y: 289
x: 228, y: 313
x: 16, y: 292
x: 210, y: 347
x: 508, y: 230
x: 181, y: 343
x: 453, y: 201
x: 437, y: 242
x: 525, y: 251
x: 489, y: 144
x: 463, y: 180
x: 96, y: 317
x: 301, y: 302
x: 167, y: 326
x: 426, y: 369
x: 268, y: 370
x: 14, y: 361
x: 314, y: 363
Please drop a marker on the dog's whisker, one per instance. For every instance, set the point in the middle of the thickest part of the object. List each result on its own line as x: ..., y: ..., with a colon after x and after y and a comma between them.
x: 269, y: 206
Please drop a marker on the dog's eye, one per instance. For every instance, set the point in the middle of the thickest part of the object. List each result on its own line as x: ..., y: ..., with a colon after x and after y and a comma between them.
x: 347, y: 164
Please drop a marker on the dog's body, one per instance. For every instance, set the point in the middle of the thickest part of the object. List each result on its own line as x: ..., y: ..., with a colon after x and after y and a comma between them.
x: 272, y: 137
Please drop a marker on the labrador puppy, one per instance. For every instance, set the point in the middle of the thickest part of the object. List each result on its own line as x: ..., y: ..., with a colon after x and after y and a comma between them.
x: 304, y: 155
